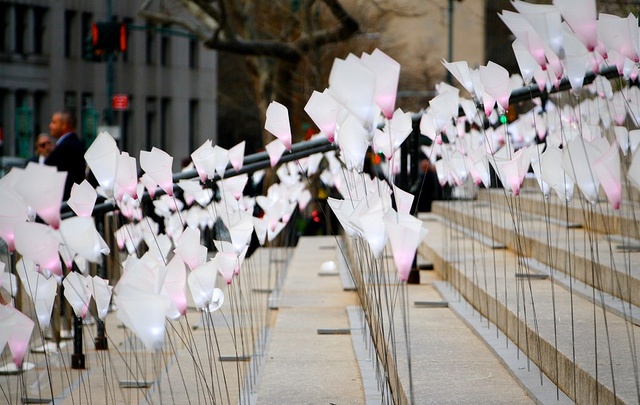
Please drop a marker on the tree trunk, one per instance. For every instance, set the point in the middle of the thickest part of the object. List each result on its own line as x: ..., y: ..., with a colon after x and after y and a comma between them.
x: 276, y: 84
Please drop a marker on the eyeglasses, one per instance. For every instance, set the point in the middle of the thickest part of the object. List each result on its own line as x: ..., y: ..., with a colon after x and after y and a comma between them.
x: 43, y: 144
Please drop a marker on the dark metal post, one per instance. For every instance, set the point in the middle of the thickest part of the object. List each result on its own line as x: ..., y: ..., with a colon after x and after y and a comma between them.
x: 77, y: 358
x: 402, y: 180
x: 413, y: 146
x: 108, y: 117
x: 100, y: 341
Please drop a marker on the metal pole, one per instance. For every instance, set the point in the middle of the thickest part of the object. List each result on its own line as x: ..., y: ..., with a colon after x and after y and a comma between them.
x: 108, y: 117
x: 77, y: 358
x: 100, y: 341
x: 450, y: 44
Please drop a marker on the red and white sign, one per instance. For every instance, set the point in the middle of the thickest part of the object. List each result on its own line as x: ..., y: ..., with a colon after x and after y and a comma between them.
x: 120, y: 102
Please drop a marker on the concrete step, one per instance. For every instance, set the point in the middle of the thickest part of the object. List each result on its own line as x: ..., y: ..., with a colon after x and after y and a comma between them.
x: 575, y: 213
x: 451, y: 362
x: 577, y: 252
x: 588, y: 351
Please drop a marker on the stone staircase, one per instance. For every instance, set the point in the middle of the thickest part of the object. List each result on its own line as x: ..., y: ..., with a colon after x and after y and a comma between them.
x: 559, y: 280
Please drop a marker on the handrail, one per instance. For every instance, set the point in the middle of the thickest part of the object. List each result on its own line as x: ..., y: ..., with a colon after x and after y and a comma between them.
x: 532, y: 91
x: 260, y: 160
x: 252, y: 163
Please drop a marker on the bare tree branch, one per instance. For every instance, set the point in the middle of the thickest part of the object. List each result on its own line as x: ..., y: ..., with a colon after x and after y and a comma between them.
x: 222, y: 36
x: 161, y: 18
x: 199, y: 13
x: 227, y: 23
x: 276, y: 49
x: 209, y: 7
x: 347, y: 28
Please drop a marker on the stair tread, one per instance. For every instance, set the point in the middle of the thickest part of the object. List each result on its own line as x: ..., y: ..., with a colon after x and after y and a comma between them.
x: 478, y: 263
x: 533, y: 236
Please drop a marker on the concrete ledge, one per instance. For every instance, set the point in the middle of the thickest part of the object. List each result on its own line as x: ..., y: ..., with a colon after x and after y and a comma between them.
x: 523, y: 370
x: 567, y: 250
x: 563, y: 345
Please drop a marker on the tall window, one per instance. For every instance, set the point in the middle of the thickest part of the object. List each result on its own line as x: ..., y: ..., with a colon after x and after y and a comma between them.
x: 165, y: 48
x: 4, y: 27
x: 39, y: 14
x: 127, y: 122
x: 71, y: 102
x: 193, y: 53
x: 150, y: 118
x: 69, y: 17
x: 85, y: 29
x: 87, y: 119
x: 149, y: 47
x: 38, y: 112
x: 20, y: 28
x: 24, y: 131
x: 193, y: 123
x: 87, y: 99
x: 165, y: 120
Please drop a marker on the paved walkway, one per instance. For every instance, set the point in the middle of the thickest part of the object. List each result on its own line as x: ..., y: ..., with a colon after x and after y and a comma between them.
x: 316, y: 352
x: 450, y: 364
x: 304, y: 365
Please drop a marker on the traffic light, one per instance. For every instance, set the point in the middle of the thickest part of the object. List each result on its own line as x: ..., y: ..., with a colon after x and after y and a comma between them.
x: 104, y: 39
x: 109, y: 36
x: 89, y: 53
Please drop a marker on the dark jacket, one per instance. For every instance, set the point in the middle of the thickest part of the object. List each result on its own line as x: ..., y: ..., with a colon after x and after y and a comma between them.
x: 68, y: 156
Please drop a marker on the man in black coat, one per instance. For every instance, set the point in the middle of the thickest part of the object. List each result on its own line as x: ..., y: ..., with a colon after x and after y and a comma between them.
x: 68, y: 154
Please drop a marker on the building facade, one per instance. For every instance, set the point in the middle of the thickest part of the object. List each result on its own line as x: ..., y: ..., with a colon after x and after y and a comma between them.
x: 169, y: 78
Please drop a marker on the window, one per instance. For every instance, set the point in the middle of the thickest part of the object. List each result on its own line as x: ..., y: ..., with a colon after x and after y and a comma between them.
x: 193, y: 53
x: 39, y: 14
x: 150, y: 117
x: 69, y: 16
x: 71, y: 102
x: 165, y: 48
x: 88, y: 119
x: 87, y: 100
x: 24, y: 125
x: 85, y: 29
x: 127, y: 122
x: 20, y: 28
x: 165, y: 120
x: 149, y: 46
x: 193, y: 123
x: 4, y: 27
x: 38, y: 112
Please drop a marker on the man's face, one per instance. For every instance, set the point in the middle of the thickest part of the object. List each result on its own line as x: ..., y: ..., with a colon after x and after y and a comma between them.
x: 43, y: 146
x: 56, y: 126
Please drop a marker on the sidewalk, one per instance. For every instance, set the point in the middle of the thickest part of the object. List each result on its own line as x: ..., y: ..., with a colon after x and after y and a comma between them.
x: 303, y: 366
